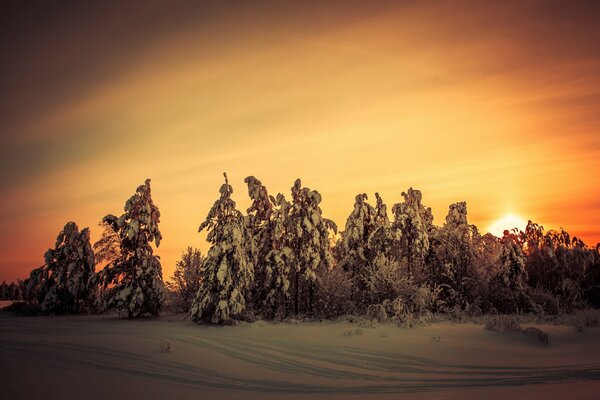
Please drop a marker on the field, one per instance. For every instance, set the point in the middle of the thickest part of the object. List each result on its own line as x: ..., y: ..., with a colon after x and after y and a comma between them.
x: 101, y: 357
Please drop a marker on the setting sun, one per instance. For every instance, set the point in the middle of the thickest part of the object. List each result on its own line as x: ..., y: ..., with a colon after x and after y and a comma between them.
x: 507, y: 222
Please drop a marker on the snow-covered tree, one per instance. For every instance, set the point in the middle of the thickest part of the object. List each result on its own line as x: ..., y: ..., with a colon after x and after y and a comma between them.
x: 310, y: 244
x: 258, y: 229
x: 133, y: 283
x: 67, y: 282
x: 452, y: 259
x: 382, y: 240
x: 512, y: 263
x: 356, y: 257
x: 278, y: 263
x: 557, y: 265
x: 228, y: 271
x: 186, y: 279
x: 510, y: 290
x: 412, y: 223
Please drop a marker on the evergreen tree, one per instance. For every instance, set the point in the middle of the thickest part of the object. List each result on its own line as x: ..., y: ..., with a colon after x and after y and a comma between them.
x: 309, y: 241
x: 133, y: 283
x: 383, y: 239
x: 67, y: 282
x: 278, y: 263
x: 512, y: 263
x: 452, y: 259
x: 512, y: 276
x: 356, y: 255
x: 187, y: 278
x: 412, y: 223
x: 228, y: 272
x: 259, y: 242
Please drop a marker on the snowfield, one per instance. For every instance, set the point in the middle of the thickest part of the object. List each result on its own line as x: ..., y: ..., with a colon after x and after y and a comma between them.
x: 100, y: 357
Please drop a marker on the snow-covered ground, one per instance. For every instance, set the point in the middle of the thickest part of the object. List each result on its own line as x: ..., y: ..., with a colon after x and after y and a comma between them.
x: 89, y: 357
x: 5, y: 303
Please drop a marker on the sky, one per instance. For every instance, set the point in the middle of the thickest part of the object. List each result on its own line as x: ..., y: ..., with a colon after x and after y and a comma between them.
x: 492, y: 103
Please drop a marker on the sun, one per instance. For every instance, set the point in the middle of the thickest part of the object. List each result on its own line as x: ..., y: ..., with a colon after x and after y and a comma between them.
x: 507, y: 222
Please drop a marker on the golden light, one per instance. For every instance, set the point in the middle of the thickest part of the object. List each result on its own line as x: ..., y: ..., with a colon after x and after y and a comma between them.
x: 507, y: 222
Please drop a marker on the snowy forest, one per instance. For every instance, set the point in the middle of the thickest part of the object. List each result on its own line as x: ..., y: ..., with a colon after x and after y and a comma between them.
x: 282, y: 259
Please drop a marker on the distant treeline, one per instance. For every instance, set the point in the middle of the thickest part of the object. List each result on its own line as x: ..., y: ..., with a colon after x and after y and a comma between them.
x: 282, y: 259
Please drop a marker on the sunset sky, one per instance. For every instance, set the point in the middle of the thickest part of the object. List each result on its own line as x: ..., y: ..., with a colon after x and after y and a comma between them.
x: 495, y: 104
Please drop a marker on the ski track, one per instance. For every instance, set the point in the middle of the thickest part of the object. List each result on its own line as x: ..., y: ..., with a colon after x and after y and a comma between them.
x: 329, y: 369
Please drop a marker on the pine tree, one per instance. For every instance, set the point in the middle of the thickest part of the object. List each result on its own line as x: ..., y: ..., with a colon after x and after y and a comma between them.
x: 309, y: 241
x: 512, y: 263
x: 512, y: 275
x: 67, y: 282
x: 228, y: 272
x: 412, y: 223
x: 452, y: 258
x: 383, y: 239
x: 278, y: 263
x: 187, y: 278
x: 133, y: 283
x: 356, y: 255
x: 259, y: 241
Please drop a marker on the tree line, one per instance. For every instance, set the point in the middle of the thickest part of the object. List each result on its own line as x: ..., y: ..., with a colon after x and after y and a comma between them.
x: 283, y: 259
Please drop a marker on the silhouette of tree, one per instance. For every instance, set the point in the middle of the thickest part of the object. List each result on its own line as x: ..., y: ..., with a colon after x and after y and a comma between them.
x: 67, y: 282
x: 187, y: 278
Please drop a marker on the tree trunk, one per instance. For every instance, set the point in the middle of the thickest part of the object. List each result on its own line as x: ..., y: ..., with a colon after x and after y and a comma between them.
x: 297, y: 293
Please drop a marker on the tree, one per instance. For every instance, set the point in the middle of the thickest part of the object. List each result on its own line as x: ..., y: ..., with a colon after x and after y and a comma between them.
x: 412, y: 223
x: 356, y: 256
x: 309, y: 242
x: 187, y: 278
x: 382, y: 241
x: 108, y: 248
x: 556, y: 263
x: 278, y: 263
x: 133, y: 283
x: 228, y: 272
x: 259, y: 242
x: 452, y: 259
x: 512, y: 275
x: 67, y: 282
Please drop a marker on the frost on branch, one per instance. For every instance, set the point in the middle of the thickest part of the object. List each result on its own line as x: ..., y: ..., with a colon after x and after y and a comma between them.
x: 512, y: 263
x: 309, y: 241
x: 412, y: 223
x: 274, y: 289
x: 512, y: 289
x: 228, y: 271
x: 259, y: 241
x: 133, y: 284
x: 66, y: 283
x: 356, y: 256
x: 452, y: 259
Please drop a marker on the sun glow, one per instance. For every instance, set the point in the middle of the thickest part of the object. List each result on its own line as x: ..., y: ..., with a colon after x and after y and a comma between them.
x: 507, y: 222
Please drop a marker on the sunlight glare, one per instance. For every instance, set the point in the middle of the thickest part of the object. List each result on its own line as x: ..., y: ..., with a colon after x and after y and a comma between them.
x: 507, y: 222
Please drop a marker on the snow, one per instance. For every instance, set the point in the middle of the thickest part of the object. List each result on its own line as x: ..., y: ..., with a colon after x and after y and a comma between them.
x: 99, y: 357
x: 136, y: 231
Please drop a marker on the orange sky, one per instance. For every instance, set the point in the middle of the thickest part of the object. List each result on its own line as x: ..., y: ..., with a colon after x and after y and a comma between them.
x: 496, y: 104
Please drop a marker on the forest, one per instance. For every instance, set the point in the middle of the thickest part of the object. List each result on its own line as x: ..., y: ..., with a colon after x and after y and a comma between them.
x: 282, y: 259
